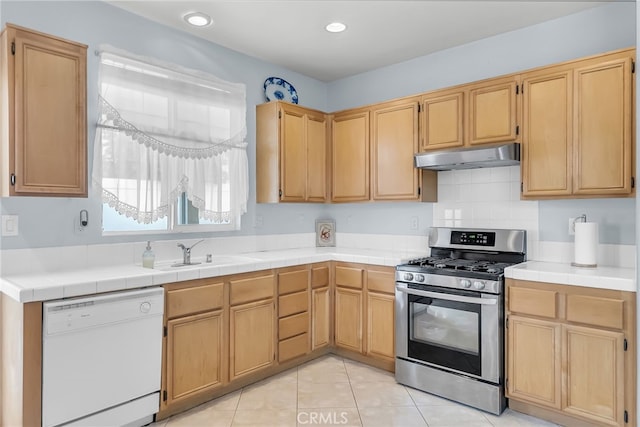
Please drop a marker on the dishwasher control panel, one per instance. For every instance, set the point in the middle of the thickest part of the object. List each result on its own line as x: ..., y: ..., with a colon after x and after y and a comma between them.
x: 98, y: 311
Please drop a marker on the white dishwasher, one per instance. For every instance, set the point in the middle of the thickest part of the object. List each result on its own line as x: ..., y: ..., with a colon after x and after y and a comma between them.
x: 102, y: 358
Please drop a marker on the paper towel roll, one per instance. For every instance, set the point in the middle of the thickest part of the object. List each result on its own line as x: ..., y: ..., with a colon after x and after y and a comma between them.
x: 586, y: 244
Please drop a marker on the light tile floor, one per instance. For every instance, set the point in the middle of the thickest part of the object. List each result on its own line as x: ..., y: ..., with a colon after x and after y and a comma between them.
x: 338, y: 392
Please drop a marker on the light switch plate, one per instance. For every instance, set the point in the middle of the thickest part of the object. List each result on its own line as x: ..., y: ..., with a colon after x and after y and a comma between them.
x: 9, y: 225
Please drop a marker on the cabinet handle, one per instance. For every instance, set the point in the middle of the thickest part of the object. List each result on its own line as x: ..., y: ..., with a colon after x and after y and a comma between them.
x: 13, y: 48
x: 13, y: 179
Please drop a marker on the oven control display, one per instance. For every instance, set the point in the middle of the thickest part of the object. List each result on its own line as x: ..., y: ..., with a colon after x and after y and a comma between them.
x: 475, y: 238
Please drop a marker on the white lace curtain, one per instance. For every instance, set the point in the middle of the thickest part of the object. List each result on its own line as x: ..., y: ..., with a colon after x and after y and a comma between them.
x: 163, y: 131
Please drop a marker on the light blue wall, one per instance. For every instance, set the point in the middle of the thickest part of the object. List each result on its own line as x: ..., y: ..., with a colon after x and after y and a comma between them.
x: 49, y: 221
x: 586, y: 33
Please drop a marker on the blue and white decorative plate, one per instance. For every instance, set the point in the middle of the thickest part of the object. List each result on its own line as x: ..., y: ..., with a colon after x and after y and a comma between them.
x: 277, y: 89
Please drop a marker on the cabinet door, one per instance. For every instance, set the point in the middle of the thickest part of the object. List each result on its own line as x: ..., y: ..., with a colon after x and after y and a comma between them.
x: 492, y: 112
x: 252, y: 335
x: 394, y: 141
x: 595, y: 374
x: 194, y: 355
x: 320, y: 321
x: 602, y: 126
x: 380, y: 325
x: 350, y: 153
x: 348, y: 319
x: 443, y: 120
x: 50, y: 134
x: 547, y: 133
x: 316, y: 157
x: 534, y: 361
x: 293, y: 155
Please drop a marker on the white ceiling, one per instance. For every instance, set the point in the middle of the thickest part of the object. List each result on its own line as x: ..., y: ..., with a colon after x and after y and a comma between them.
x: 291, y: 33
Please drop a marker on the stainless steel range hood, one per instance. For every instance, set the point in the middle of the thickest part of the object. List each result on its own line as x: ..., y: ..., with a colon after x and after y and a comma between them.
x: 469, y: 158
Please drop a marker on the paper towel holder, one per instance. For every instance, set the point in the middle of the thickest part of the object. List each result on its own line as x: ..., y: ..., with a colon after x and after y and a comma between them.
x: 583, y: 219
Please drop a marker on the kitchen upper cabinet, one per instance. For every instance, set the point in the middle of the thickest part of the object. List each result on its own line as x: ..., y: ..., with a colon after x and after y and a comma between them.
x: 350, y: 156
x: 443, y: 119
x: 471, y: 114
x: 577, y: 123
x: 547, y: 142
x: 602, y: 126
x: 373, y: 152
x: 568, y: 353
x: 492, y: 112
x: 291, y: 154
x: 394, y: 141
x: 43, y: 124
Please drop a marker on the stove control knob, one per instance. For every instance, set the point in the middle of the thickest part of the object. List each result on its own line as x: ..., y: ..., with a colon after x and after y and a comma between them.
x: 478, y: 284
x: 465, y: 283
x: 419, y: 277
x: 408, y: 276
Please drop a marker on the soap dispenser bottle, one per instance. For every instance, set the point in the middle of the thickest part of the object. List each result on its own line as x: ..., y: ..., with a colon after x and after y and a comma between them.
x: 148, y: 257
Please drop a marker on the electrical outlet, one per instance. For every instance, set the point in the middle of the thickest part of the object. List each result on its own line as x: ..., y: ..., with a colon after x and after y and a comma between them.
x: 572, y: 226
x: 413, y: 223
x: 259, y: 221
x: 9, y: 225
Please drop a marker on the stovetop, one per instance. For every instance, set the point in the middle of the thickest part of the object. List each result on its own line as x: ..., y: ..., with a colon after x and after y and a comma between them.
x: 438, y: 264
x: 466, y: 259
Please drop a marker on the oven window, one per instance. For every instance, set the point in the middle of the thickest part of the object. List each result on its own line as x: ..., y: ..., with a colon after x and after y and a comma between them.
x: 446, y: 327
x: 445, y: 333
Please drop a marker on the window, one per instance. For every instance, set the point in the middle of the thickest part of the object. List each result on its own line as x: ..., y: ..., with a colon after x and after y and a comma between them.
x: 170, y: 149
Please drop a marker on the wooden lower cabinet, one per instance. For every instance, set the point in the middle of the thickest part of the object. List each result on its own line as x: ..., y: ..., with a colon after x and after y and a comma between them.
x: 252, y: 337
x: 348, y: 324
x: 571, y: 356
x: 321, y: 317
x: 533, y: 360
x: 194, y: 355
x: 381, y: 325
x: 595, y: 374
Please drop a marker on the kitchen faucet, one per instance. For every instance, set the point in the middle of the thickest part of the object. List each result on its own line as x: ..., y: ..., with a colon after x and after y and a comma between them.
x: 186, y: 252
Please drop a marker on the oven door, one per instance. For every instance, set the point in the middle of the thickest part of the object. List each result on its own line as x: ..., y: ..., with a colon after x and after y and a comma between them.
x: 450, y: 329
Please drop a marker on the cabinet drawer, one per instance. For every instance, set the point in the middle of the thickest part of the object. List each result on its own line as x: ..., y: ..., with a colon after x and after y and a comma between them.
x: 293, y: 347
x: 349, y: 277
x: 293, y: 325
x: 293, y: 281
x: 319, y: 277
x: 536, y: 302
x: 381, y: 281
x: 181, y: 302
x: 253, y: 289
x: 597, y: 311
x: 293, y: 303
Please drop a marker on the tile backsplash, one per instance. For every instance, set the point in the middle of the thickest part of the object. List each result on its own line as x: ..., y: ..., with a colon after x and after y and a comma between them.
x: 486, y: 198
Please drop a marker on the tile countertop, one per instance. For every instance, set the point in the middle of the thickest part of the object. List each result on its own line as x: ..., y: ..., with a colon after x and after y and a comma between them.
x: 616, y: 278
x: 72, y: 283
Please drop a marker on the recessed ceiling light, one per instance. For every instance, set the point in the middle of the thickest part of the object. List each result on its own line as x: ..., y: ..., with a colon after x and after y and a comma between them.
x: 335, y: 27
x: 198, y: 19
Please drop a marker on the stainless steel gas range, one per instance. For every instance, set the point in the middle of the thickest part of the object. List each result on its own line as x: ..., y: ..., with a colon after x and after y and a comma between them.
x: 450, y: 315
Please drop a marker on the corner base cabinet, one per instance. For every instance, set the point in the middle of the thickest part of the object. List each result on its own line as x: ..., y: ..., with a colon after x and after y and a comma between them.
x: 571, y: 353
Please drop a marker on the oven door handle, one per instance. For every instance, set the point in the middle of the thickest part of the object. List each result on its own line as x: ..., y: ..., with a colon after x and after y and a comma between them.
x: 448, y: 297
